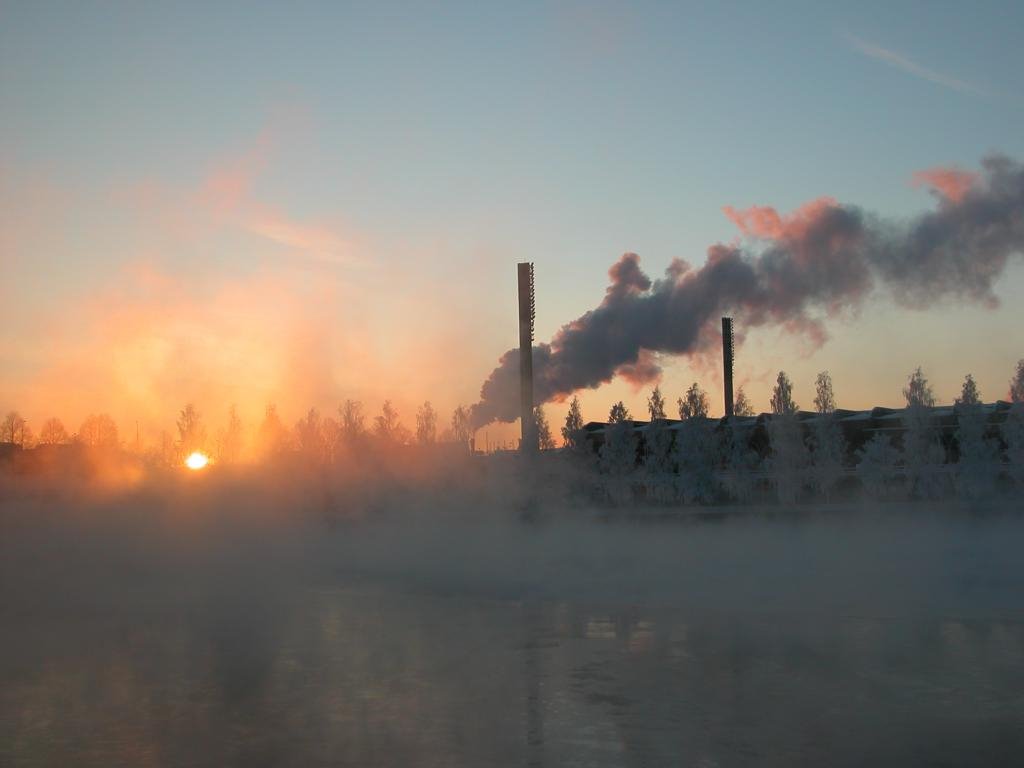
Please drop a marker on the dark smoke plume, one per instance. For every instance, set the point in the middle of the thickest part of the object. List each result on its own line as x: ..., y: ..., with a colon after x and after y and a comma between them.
x: 794, y: 271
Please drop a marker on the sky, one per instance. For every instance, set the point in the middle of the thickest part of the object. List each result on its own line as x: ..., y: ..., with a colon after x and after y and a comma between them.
x: 301, y: 203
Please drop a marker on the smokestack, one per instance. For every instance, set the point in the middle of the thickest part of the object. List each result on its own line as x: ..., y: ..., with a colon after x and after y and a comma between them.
x: 527, y: 307
x: 727, y: 358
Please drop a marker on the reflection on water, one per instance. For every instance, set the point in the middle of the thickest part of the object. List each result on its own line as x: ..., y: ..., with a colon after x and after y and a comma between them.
x: 370, y: 673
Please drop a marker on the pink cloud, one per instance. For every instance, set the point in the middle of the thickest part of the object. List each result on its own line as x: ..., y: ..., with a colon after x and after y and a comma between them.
x: 763, y: 221
x: 951, y: 183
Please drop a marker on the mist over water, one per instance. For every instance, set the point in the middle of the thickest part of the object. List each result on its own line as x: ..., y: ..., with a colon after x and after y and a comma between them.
x: 257, y: 621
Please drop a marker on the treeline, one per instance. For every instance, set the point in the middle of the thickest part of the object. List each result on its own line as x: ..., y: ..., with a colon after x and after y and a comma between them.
x: 320, y: 438
x: 787, y: 457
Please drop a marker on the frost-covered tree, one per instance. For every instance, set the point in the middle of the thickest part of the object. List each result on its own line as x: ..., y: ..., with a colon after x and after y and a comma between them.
x: 741, y: 464
x: 828, y: 453
x: 977, y: 467
x: 697, y: 454
x: 572, y: 432
x: 824, y: 399
x: 53, y: 432
x: 694, y: 404
x: 462, y: 428
x: 426, y: 424
x: 741, y: 405
x: 619, y: 413
x: 1013, y: 436
x: 923, y: 455
x: 540, y: 422
x: 658, y: 461
x: 656, y: 404
x: 99, y: 431
x: 617, y: 458
x: 782, y: 396
x: 918, y: 392
x: 230, y: 444
x: 790, y: 461
x: 877, y: 466
x: 1017, y: 384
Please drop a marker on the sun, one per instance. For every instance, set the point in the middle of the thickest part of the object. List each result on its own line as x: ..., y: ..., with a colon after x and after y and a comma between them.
x: 197, y: 460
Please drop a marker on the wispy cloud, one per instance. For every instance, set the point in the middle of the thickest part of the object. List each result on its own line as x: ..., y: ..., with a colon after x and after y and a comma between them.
x: 911, y: 67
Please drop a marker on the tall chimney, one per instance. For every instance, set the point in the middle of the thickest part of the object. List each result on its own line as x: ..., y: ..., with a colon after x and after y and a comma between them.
x: 727, y: 359
x: 527, y: 306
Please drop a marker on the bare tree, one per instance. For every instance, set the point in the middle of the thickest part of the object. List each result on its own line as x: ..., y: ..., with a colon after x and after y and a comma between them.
x: 824, y: 399
x: 230, y: 443
x: 53, y: 432
x: 656, y: 404
x: 462, y: 427
x: 14, y: 429
x: 272, y: 437
x: 99, y: 431
x: 387, y: 427
x: 426, y: 424
x: 309, y: 436
x: 353, y: 426
x: 694, y: 404
x: 191, y: 432
x: 782, y: 402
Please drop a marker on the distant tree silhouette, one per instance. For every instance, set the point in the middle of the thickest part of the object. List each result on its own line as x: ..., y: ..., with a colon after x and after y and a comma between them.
x: 824, y: 399
x: 656, y: 404
x: 918, y: 392
x: 742, y: 406
x: 1017, y: 384
x: 353, y: 426
x: 572, y: 432
x: 462, y: 426
x: 230, y: 443
x: 969, y: 394
x: 426, y: 424
x: 330, y: 430
x: 782, y: 396
x: 540, y: 421
x: 271, y: 437
x: 99, y: 431
x: 309, y: 436
x: 694, y: 403
x: 53, y: 432
x: 619, y: 413
x: 14, y: 429
x: 191, y: 432
x: 387, y: 427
